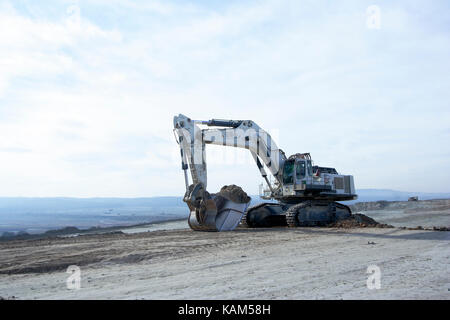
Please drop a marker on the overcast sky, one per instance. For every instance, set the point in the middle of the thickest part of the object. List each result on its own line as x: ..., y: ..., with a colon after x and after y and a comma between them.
x: 88, y: 90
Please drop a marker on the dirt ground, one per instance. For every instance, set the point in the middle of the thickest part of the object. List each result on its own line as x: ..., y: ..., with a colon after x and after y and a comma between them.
x: 425, y: 213
x: 280, y: 263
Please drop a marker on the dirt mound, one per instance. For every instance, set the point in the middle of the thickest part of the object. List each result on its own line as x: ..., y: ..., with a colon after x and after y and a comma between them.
x: 358, y: 220
x: 234, y: 193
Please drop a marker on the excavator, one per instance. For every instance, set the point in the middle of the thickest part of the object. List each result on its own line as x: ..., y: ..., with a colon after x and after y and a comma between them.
x: 302, y: 194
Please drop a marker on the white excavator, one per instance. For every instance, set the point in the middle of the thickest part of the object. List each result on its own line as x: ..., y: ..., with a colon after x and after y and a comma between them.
x: 302, y: 193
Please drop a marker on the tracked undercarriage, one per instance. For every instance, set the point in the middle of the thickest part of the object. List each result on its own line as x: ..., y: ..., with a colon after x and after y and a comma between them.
x: 309, y: 213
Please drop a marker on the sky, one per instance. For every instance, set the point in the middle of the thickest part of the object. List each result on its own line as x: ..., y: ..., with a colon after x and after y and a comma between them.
x: 88, y: 91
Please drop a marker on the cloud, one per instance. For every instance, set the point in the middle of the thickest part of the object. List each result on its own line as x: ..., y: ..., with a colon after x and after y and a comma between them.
x: 90, y: 89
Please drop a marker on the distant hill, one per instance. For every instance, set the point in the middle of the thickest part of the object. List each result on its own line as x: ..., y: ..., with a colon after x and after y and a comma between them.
x: 18, y: 204
x: 366, y: 195
x: 37, y: 215
x: 54, y: 205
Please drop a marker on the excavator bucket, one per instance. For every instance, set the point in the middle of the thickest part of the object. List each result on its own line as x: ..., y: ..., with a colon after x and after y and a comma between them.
x: 229, y: 213
x: 216, y: 212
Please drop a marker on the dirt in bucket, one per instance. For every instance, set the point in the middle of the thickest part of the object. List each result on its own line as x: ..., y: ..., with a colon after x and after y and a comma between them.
x: 234, y: 193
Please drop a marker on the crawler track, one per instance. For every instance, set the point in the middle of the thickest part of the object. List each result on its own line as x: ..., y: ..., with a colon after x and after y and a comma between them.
x: 318, y: 214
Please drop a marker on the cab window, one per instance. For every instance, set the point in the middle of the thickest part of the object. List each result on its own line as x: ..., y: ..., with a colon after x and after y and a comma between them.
x: 309, y: 167
x: 300, y: 169
x: 288, y: 172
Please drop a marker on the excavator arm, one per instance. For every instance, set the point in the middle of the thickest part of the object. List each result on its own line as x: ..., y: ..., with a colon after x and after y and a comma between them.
x: 192, y: 140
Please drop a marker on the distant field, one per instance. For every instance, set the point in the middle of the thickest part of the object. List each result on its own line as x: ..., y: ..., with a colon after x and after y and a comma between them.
x: 37, y: 215
x: 425, y: 213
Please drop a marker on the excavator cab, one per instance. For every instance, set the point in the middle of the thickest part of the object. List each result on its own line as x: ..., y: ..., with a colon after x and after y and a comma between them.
x: 296, y: 174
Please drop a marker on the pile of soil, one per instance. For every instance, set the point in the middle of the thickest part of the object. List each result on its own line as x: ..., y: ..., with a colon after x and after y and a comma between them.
x: 234, y: 193
x: 358, y: 220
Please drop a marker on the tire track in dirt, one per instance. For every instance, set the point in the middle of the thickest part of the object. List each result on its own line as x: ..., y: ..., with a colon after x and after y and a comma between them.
x: 56, y: 254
